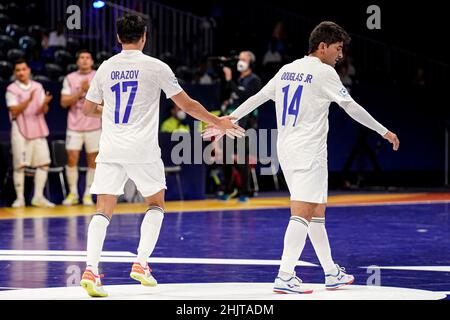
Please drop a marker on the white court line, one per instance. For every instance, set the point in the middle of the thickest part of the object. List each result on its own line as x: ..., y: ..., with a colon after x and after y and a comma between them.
x: 374, y: 204
x: 132, y: 258
x: 222, y: 291
x: 12, y: 288
x: 63, y: 253
x: 412, y: 268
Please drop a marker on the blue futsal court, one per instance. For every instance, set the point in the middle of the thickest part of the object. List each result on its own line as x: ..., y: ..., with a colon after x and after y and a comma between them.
x: 405, y: 246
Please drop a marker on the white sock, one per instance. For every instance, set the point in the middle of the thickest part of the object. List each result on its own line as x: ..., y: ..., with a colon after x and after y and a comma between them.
x: 95, y: 239
x: 150, y: 227
x: 89, y: 179
x: 19, y: 182
x: 40, y: 178
x: 72, y: 179
x: 319, y: 239
x: 294, y: 242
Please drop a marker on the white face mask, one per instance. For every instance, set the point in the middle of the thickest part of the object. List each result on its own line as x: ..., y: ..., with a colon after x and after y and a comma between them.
x: 181, y: 115
x: 242, y: 66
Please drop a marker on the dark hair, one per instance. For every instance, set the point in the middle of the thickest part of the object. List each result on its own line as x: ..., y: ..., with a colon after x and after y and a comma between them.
x: 329, y: 33
x: 80, y: 52
x: 130, y: 28
x: 20, y: 61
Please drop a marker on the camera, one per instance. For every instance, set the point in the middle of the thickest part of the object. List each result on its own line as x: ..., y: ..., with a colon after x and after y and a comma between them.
x: 224, y: 61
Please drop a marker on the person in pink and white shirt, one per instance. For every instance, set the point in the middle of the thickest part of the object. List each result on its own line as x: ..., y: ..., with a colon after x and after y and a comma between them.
x: 81, y: 130
x: 28, y: 103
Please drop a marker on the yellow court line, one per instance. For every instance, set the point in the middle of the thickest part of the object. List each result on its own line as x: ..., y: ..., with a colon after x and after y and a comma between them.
x: 215, y: 205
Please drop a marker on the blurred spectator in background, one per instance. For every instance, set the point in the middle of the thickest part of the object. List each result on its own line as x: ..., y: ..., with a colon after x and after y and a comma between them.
x: 203, y: 73
x: 419, y: 79
x: 277, y: 42
x: 46, y: 50
x: 247, y: 85
x: 176, y: 122
x: 36, y: 63
x: 57, y: 37
x: 274, y: 56
x: 346, y: 72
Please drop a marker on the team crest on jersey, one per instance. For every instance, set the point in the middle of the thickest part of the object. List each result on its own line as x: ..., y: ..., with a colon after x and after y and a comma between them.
x: 343, y: 92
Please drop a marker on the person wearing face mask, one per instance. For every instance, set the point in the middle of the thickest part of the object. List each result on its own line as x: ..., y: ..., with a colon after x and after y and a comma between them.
x: 246, y: 85
x: 176, y: 122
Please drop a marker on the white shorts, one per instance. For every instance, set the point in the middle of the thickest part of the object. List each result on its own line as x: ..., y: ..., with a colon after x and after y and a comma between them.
x: 76, y: 139
x: 110, y: 178
x: 308, y: 185
x: 28, y: 152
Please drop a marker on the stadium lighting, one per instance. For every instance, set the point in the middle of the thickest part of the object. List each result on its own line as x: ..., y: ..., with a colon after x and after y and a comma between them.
x: 98, y: 4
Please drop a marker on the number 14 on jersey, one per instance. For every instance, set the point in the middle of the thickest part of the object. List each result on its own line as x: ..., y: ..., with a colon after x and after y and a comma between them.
x: 294, y: 104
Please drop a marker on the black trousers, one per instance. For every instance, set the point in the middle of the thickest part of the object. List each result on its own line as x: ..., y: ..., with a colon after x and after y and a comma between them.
x: 241, y: 163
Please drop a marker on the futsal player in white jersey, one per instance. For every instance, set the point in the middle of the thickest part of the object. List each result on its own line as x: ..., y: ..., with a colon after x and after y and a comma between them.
x: 303, y: 91
x: 129, y: 85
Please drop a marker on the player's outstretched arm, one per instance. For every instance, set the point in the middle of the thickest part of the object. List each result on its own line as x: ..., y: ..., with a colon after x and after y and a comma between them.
x: 359, y: 114
x: 92, y: 109
x: 248, y: 106
x: 196, y: 110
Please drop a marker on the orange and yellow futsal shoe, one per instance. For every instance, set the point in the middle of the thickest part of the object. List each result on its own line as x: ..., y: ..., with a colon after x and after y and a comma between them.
x: 143, y: 275
x: 92, y: 284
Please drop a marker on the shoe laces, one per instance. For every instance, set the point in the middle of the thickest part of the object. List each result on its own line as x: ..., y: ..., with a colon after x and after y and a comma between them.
x: 341, y: 269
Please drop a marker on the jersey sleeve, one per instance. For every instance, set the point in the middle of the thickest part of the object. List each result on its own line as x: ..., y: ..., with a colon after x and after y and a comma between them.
x: 168, y: 82
x: 95, y: 92
x: 333, y: 88
x: 335, y: 91
x: 66, y: 90
x: 269, y: 89
x: 11, y: 99
x: 249, y: 105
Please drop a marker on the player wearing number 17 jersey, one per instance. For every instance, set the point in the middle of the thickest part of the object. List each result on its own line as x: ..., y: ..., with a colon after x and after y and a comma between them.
x: 129, y: 85
x: 303, y: 91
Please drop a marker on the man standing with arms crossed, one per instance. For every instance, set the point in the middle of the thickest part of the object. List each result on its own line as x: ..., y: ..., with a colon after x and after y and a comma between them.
x: 80, y: 128
x: 129, y: 85
x: 303, y: 91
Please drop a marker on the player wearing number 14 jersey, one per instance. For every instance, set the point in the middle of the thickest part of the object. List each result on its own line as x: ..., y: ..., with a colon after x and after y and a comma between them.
x: 303, y: 91
x: 129, y: 85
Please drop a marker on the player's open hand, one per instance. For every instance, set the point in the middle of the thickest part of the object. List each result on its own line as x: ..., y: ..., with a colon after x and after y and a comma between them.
x: 392, y: 138
x: 224, y: 126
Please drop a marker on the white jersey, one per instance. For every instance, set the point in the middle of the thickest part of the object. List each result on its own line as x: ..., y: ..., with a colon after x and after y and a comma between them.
x: 130, y: 84
x: 303, y: 91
